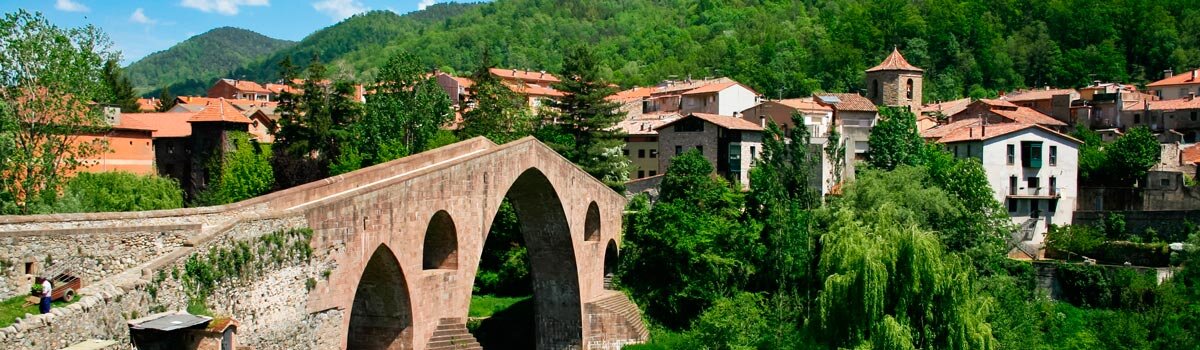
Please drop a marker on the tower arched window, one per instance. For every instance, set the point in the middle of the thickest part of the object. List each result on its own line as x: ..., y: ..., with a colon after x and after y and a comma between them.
x: 874, y: 88
x: 908, y: 90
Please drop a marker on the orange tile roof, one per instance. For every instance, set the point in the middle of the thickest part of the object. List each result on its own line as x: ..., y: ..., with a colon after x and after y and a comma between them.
x: 941, y: 131
x: 280, y: 88
x: 534, y: 90
x: 1036, y: 94
x: 646, y: 125
x: 163, y: 124
x: 710, y: 88
x: 722, y: 121
x: 1028, y: 116
x: 246, y: 85
x: 1187, y: 78
x: 523, y: 75
x: 806, y: 103
x: 948, y: 108
x: 1179, y: 103
x: 147, y: 104
x: 635, y: 93
x: 985, y: 132
x: 895, y: 61
x: 1191, y: 155
x: 219, y: 111
x: 132, y: 124
x: 998, y: 103
x: 852, y: 102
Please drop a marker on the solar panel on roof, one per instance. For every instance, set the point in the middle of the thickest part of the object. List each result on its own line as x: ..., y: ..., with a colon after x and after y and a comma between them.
x: 830, y: 99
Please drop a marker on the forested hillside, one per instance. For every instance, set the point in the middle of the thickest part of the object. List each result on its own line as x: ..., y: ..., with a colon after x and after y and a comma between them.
x: 202, y: 58
x: 783, y: 47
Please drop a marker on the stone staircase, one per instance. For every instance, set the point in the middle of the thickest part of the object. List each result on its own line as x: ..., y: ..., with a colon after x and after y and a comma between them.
x: 618, y: 319
x: 452, y: 334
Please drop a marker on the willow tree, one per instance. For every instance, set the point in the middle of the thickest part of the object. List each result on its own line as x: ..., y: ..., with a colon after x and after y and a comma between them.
x: 50, y: 80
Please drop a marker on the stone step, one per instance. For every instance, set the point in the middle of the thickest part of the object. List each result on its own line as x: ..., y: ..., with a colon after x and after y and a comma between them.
x: 452, y: 334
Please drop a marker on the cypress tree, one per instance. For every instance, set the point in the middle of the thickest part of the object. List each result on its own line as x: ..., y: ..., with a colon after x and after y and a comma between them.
x: 590, y: 119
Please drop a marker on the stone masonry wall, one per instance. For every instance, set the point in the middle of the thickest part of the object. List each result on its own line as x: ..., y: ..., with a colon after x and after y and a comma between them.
x: 270, y: 302
x: 89, y: 254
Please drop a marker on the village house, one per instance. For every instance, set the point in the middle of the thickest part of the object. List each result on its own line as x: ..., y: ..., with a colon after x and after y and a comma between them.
x: 129, y: 145
x: 535, y: 87
x: 263, y: 116
x: 1181, y: 116
x: 1056, y: 103
x: 641, y: 143
x: 147, y: 105
x: 721, y: 96
x: 185, y: 142
x: 1114, y: 105
x: 1032, y: 169
x: 1174, y: 86
x: 239, y: 90
x: 999, y: 112
x: 935, y: 113
x: 730, y: 144
x: 455, y: 87
x: 816, y: 117
x: 854, y: 115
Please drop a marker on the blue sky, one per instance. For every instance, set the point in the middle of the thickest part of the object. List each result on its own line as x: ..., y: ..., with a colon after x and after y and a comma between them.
x: 141, y: 27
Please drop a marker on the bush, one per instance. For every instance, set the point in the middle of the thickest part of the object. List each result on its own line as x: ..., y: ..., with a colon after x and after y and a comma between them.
x: 1107, y: 287
x: 242, y: 173
x: 118, y: 191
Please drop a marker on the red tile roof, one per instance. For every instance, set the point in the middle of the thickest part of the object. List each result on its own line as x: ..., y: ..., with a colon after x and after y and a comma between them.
x: 947, y: 108
x: 635, y: 93
x: 219, y: 111
x: 1036, y: 94
x: 806, y: 103
x: 646, y: 125
x: 941, y: 131
x: 246, y: 85
x: 1179, y: 103
x: 1187, y: 78
x: 985, y: 132
x: 710, y: 88
x: 280, y: 88
x: 998, y: 103
x: 534, y: 90
x: 722, y: 121
x: 523, y: 75
x: 163, y: 124
x: 851, y: 102
x: 895, y: 61
x: 147, y: 104
x: 1028, y: 116
x: 1191, y: 155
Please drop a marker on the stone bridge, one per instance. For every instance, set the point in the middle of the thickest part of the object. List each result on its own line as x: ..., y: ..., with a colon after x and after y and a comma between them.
x: 403, y: 241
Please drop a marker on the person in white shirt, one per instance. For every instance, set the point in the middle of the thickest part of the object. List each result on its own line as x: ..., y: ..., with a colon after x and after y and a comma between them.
x: 47, y: 289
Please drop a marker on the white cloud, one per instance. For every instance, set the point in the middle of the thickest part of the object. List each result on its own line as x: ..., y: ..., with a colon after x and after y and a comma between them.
x: 139, y: 16
x: 224, y: 7
x: 340, y: 9
x: 425, y: 3
x: 70, y: 6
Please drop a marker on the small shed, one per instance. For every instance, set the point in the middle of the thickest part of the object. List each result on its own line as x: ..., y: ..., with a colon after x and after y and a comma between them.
x: 181, y: 330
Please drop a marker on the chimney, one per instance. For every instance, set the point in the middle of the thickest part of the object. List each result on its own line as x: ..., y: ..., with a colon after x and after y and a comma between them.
x: 1168, y: 73
x: 762, y: 121
x: 112, y: 115
x: 1191, y: 96
x: 1194, y: 73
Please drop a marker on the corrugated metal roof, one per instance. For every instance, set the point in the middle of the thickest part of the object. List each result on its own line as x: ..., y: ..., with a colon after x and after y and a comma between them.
x: 169, y: 321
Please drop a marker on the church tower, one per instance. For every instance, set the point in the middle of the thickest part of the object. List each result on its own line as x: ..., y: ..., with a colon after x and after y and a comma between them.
x: 895, y: 82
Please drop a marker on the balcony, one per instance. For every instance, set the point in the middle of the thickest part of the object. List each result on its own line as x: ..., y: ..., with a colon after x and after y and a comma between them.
x: 1034, y: 193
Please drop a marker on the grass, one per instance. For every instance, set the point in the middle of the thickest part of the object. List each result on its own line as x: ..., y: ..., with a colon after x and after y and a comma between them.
x: 11, y: 309
x: 487, y: 305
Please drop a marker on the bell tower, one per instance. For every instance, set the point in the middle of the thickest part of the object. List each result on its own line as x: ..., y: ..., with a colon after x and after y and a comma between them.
x: 895, y: 82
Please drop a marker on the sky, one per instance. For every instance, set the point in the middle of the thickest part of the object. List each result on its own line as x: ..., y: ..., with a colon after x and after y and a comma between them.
x: 141, y: 27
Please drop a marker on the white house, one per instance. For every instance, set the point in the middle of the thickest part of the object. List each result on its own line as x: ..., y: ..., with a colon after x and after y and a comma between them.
x: 727, y: 98
x: 1032, y: 169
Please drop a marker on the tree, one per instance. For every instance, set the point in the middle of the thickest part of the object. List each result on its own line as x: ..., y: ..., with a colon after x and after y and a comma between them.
x: 241, y: 173
x: 691, y: 249
x: 587, y: 116
x: 894, y: 140
x: 118, y: 191
x: 1131, y: 156
x: 497, y: 112
x: 119, y: 88
x: 313, y: 123
x: 51, y: 78
x: 402, y: 116
x: 165, y: 100
x: 1091, y: 154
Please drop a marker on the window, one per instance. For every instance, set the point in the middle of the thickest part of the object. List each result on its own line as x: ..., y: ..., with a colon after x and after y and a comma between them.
x: 1012, y: 185
x: 700, y: 148
x: 753, y: 152
x: 1053, y: 205
x: 641, y: 153
x: 1031, y: 154
x: 641, y: 174
x: 1183, y: 92
x: 1053, y: 155
x: 1193, y: 117
x: 678, y: 150
x: 653, y: 172
x: 653, y: 153
x: 1031, y: 182
x: 1012, y: 154
x: 1164, y: 182
x: 625, y: 152
x: 874, y: 88
x: 956, y: 155
x: 1012, y: 205
x: 1053, y: 185
x: 1035, y: 209
x: 1137, y: 118
x: 735, y: 158
x: 908, y: 89
x: 689, y: 125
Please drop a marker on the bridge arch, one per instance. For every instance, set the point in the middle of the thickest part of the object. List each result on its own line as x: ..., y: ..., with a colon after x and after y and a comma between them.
x: 440, y: 246
x: 558, y: 321
x: 591, y: 225
x: 381, y: 315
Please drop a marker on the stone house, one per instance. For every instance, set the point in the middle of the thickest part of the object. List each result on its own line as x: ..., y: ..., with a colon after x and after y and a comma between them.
x: 1000, y: 111
x: 816, y: 117
x: 1052, y: 102
x: 1180, y: 115
x: 1174, y: 86
x: 641, y: 143
x: 730, y: 144
x: 1032, y: 169
x: 1114, y: 105
x: 184, y: 143
x: 853, y: 116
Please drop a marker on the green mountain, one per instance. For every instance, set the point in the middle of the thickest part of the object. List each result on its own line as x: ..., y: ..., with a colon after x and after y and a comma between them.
x: 202, y: 58
x: 782, y: 48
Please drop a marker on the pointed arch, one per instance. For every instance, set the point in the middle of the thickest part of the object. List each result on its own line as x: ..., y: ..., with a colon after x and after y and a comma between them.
x: 591, y: 225
x: 381, y: 316
x: 440, y: 247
